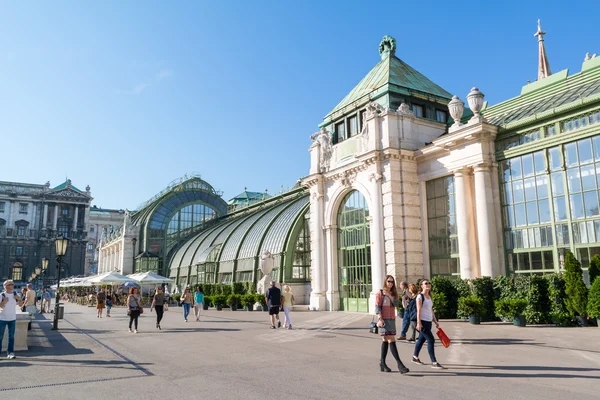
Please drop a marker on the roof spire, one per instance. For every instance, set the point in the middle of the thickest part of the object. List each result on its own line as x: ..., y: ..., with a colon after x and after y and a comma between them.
x: 543, y: 64
x: 387, y: 46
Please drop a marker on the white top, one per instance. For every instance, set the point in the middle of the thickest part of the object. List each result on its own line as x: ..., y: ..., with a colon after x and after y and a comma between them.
x: 426, y: 309
x: 9, y: 312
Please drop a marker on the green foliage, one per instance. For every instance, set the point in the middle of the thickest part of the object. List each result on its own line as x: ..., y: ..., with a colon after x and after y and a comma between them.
x: 440, y: 305
x: 593, y: 305
x: 261, y: 299
x: 238, y: 288
x: 574, y: 286
x: 234, y: 299
x: 208, y: 300
x: 219, y: 300
x: 521, y: 285
x: 509, y: 308
x: 594, y: 268
x: 484, y: 289
x: 248, y: 299
x: 470, y: 305
x: 462, y: 287
x: 556, y: 292
x: 538, y: 301
x: 504, y: 287
x: 177, y: 297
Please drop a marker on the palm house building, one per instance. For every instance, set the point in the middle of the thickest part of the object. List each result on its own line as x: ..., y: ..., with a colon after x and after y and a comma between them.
x: 404, y: 179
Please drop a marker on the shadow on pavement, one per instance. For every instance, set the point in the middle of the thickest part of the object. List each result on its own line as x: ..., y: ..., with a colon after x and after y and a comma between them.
x: 526, y: 342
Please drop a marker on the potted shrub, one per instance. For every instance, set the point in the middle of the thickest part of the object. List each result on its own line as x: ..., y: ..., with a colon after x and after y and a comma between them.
x: 593, y: 306
x: 512, y: 309
x: 248, y: 301
x: 471, y: 306
x: 575, y: 289
x: 594, y: 268
x: 207, y: 302
x: 177, y: 298
x: 219, y: 301
x: 260, y: 298
x: 400, y: 310
x: 233, y: 301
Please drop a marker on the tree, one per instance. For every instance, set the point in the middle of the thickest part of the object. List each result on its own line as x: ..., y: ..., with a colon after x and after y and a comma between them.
x: 575, y: 287
x: 594, y: 268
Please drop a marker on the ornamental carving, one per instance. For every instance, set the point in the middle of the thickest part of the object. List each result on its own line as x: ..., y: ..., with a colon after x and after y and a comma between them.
x: 374, y: 109
x: 404, y: 109
x: 348, y: 178
x: 324, y: 140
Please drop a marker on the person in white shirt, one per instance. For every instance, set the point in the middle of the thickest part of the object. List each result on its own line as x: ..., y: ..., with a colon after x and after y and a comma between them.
x: 8, y: 316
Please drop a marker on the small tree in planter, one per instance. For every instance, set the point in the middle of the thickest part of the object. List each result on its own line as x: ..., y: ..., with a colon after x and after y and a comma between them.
x: 593, y: 306
x: 260, y: 298
x: 248, y: 301
x: 233, y: 300
x: 471, y: 306
x: 219, y: 301
x: 177, y: 298
x: 207, y: 302
x: 511, y: 309
x: 575, y: 289
x: 594, y: 268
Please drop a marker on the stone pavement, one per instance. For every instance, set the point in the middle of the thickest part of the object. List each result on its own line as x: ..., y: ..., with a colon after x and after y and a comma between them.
x: 234, y: 355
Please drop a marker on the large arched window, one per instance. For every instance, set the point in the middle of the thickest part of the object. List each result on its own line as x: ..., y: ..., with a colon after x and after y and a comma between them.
x: 184, y: 222
x: 354, y: 253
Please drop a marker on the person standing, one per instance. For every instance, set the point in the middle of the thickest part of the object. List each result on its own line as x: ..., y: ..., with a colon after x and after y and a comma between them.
x: 288, y: 301
x: 198, y: 302
x: 29, y: 305
x: 46, y: 299
x: 109, y: 304
x: 159, y: 304
x: 134, y: 307
x: 405, y: 298
x: 411, y: 310
x: 425, y: 317
x: 8, y: 316
x: 273, y: 297
x: 187, y: 300
x: 386, y: 302
x: 100, y: 302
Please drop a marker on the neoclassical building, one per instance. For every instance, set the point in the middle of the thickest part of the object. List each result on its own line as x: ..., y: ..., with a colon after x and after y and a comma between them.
x: 502, y: 189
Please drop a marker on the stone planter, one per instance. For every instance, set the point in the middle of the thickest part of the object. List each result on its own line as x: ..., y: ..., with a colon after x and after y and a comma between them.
x: 205, y: 306
x: 582, y: 321
x: 249, y: 308
x: 519, y: 320
x: 474, y: 319
x: 219, y: 307
x: 233, y: 307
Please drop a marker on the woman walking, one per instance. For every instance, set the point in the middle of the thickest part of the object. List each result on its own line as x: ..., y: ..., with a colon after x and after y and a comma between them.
x: 198, y: 302
x: 159, y: 304
x: 186, y: 301
x: 288, y: 302
x: 109, y: 304
x: 425, y: 316
x: 100, y: 302
x: 386, y: 302
x: 411, y: 309
x: 134, y: 307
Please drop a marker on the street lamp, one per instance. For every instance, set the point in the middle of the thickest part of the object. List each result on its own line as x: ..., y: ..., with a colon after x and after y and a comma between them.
x: 61, y: 249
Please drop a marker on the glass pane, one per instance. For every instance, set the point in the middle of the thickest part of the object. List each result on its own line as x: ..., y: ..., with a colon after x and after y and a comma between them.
x: 548, y: 259
x: 508, y: 193
x: 536, y: 260
x: 554, y: 158
x: 549, y: 230
x: 574, y: 180
x: 544, y: 237
x: 544, y: 208
x: 515, y: 168
x: 591, y: 231
x: 571, y: 154
x: 597, y: 229
x: 527, y: 162
x: 523, y: 260
x: 520, y: 216
x: 451, y: 205
x: 532, y: 213
x: 452, y: 225
x: 530, y: 193
x: 539, y: 162
x: 558, y: 187
x: 505, y: 168
x: 518, y: 193
x: 585, y: 151
x: 542, y: 186
x: 576, y: 206
x: 596, y: 141
x: 440, y: 206
x: 511, y: 216
x: 591, y: 204
x: 430, y: 190
x: 538, y: 237
x: 583, y: 232
x: 576, y: 233
x: 588, y: 177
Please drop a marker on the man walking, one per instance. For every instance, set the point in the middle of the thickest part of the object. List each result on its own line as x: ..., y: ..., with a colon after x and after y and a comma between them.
x: 273, y: 297
x: 46, y: 298
x: 30, y: 303
x: 406, y: 318
x: 8, y: 316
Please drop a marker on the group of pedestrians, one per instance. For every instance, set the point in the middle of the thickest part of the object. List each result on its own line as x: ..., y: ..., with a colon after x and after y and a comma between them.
x: 418, y: 313
x: 277, y: 301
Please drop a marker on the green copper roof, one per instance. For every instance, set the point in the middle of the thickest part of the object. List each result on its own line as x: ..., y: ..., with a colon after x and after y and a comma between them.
x: 547, y: 97
x: 64, y: 186
x: 390, y: 75
x: 247, y: 197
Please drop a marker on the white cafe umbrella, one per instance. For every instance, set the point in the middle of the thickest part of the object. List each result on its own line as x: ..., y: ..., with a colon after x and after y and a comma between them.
x: 110, y: 278
x: 149, y: 278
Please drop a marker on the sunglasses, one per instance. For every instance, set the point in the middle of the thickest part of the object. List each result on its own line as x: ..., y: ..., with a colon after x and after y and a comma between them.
x: 426, y: 283
x: 390, y: 281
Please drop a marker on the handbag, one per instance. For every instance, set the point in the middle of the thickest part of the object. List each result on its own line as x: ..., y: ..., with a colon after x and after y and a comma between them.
x: 373, y: 327
x: 380, y: 323
x: 443, y: 337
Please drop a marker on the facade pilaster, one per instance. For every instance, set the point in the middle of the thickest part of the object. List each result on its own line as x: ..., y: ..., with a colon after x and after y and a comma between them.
x: 55, y: 217
x: 486, y: 221
x: 45, y: 216
x: 317, y: 211
x: 464, y: 220
x: 378, y: 269
x: 75, y: 218
x: 332, y: 278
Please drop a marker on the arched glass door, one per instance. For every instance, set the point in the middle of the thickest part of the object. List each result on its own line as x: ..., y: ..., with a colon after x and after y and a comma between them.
x: 354, y: 253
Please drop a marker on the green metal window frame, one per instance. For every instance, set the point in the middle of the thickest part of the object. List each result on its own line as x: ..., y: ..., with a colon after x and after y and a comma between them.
x: 442, y: 227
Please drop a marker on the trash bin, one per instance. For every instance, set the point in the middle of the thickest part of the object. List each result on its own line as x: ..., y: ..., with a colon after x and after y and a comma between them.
x: 61, y: 310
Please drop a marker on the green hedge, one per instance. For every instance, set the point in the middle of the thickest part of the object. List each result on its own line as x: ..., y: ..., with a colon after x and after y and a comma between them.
x: 538, y: 301
x: 484, y: 289
x: 575, y: 287
x: 241, y: 288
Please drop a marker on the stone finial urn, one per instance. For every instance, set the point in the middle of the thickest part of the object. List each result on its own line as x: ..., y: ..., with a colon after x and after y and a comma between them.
x: 475, y: 99
x: 456, y: 108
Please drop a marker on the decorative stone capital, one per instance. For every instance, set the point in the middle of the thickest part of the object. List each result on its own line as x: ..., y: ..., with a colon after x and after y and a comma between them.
x: 376, y: 176
x: 462, y: 172
x: 482, y: 167
x: 331, y: 227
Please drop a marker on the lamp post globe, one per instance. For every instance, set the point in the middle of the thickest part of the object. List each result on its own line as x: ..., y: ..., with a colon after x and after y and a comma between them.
x: 61, y: 244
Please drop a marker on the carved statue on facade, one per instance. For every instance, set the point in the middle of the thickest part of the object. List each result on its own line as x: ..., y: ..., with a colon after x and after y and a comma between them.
x: 322, y: 137
x: 374, y: 109
x: 387, y: 45
x: 404, y: 109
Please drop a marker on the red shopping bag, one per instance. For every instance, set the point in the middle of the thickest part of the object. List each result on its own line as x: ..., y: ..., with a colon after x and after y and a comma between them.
x: 443, y: 337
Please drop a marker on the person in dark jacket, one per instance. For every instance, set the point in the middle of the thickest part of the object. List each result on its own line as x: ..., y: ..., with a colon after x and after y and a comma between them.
x: 411, y: 309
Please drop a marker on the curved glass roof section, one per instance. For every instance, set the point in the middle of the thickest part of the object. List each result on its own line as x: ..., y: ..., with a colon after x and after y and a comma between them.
x: 265, y: 225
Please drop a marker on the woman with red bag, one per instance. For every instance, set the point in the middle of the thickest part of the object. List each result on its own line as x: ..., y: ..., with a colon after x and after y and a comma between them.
x: 425, y: 317
x: 386, y: 302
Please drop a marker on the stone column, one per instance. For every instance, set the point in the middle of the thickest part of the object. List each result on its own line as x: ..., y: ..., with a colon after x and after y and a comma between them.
x: 45, y: 217
x: 55, y: 217
x: 331, y: 257
x: 486, y: 221
x: 378, y: 269
x: 75, y: 218
x: 317, y: 207
x: 466, y: 234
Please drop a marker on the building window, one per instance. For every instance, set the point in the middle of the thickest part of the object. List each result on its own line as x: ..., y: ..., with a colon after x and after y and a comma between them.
x: 417, y: 110
x: 64, y: 211
x: 19, y: 251
x: 440, y: 116
x: 353, y: 126
x: 2, y: 206
x: 63, y: 228
x: 441, y: 223
x: 91, y: 229
x: 550, y: 130
x: 90, y: 247
x: 21, y: 230
x: 340, y: 131
x: 17, y: 272
x: 23, y: 208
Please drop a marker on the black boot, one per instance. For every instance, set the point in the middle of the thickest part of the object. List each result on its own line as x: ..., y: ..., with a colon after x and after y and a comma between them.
x: 401, y: 366
x: 382, y: 366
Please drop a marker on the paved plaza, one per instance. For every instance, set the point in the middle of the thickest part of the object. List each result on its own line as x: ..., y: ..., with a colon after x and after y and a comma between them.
x: 231, y: 355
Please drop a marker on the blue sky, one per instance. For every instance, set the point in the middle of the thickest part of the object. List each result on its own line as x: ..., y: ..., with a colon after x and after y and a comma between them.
x: 127, y: 96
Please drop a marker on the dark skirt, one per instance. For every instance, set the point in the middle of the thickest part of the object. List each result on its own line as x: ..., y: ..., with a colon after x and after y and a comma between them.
x: 389, y: 327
